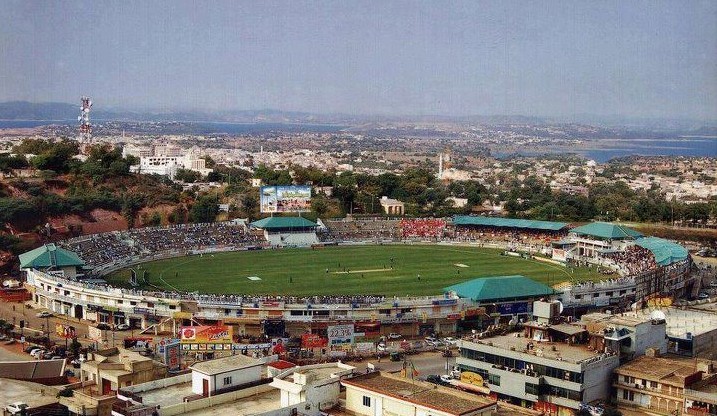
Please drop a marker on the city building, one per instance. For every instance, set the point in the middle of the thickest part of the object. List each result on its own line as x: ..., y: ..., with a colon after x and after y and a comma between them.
x: 690, y: 332
x: 662, y: 384
x: 379, y: 393
x: 542, y: 374
x: 629, y: 334
x: 392, y: 206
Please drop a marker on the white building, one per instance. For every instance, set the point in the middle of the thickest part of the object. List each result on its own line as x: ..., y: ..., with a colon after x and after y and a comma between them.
x: 211, y: 377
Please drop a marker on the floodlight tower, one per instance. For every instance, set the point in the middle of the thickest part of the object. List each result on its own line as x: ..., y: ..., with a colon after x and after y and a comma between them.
x: 84, y: 119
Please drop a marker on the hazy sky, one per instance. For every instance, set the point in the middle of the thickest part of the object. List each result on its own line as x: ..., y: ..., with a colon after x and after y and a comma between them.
x: 545, y: 58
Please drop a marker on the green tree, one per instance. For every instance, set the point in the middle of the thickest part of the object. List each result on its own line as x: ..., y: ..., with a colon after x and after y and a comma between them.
x: 205, y: 209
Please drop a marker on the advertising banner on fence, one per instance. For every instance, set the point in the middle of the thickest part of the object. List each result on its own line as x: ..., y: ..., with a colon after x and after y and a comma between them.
x: 204, y: 334
x: 341, y: 334
x: 65, y: 331
x: 285, y: 198
x: 512, y: 308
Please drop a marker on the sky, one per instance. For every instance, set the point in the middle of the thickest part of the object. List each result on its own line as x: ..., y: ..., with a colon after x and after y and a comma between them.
x: 536, y: 58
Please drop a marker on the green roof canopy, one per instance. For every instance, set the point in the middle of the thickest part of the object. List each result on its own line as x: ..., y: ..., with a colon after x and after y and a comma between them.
x: 606, y: 231
x: 508, y: 223
x: 269, y: 223
x: 666, y: 252
x: 49, y: 255
x: 499, y: 287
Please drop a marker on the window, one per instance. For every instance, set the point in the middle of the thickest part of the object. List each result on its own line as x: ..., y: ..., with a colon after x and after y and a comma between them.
x: 227, y: 381
x: 531, y: 388
x: 494, y: 379
x: 366, y: 401
x: 626, y: 379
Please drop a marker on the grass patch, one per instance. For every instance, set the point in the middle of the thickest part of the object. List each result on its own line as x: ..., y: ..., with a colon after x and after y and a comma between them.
x: 303, y: 272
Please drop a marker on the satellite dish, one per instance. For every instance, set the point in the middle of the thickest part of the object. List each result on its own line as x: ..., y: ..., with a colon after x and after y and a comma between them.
x: 560, y: 308
x: 658, y: 316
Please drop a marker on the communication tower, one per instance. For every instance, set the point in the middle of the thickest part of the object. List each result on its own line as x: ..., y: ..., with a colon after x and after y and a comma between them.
x: 84, y: 119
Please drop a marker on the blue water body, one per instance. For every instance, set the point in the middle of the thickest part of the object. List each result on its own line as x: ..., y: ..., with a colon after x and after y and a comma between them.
x: 702, y: 147
x: 692, y: 146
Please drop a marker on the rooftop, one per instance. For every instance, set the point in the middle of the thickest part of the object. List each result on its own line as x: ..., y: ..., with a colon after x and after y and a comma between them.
x: 665, y: 251
x: 499, y: 287
x: 508, y: 223
x: 606, y: 230
x: 672, y: 370
x: 419, y: 393
x: 283, y: 222
x: 563, y: 352
x: 681, y: 321
x: 222, y: 365
x: 49, y: 255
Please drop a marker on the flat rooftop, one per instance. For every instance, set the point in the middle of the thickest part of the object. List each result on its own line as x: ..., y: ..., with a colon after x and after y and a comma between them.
x: 681, y: 321
x: 419, y: 393
x: 258, y: 403
x: 222, y: 365
x: 570, y: 353
x: 624, y: 319
x: 671, y: 370
x: 166, y: 396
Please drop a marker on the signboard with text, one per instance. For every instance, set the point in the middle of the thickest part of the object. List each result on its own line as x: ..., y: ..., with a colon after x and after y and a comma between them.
x: 172, y: 355
x: 340, y: 334
x: 205, y: 334
x: 65, y: 331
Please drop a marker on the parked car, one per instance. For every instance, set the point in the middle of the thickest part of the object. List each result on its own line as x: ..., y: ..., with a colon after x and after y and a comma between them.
x: 381, y: 347
x: 122, y: 327
x: 16, y: 408
x: 703, y: 295
x: 38, y: 353
x: 44, y: 314
x: 450, y: 341
x: 394, y: 335
x: 31, y: 348
x: 435, y: 379
x: 430, y: 341
x: 446, y: 379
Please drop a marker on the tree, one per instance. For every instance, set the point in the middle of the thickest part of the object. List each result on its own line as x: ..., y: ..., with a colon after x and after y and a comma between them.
x: 187, y: 176
x: 205, y: 209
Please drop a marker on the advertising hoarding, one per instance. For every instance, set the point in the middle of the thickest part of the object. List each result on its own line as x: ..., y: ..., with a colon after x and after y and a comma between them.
x: 285, y: 198
x: 313, y: 341
x: 65, y: 331
x: 205, y: 334
x: 94, y: 333
x: 340, y: 334
x: 512, y: 308
x: 172, y: 355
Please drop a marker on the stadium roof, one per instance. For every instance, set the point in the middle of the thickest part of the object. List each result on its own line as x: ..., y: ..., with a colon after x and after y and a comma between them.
x: 666, y: 252
x: 508, y: 223
x: 269, y: 223
x: 499, y: 287
x: 606, y: 230
x: 49, y: 255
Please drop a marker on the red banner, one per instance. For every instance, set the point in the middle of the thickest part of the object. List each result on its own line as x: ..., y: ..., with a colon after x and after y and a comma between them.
x: 313, y: 341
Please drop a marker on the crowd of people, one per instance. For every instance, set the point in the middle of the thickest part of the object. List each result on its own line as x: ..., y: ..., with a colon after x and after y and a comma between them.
x: 363, y: 229
x: 99, y: 249
x: 633, y: 260
x: 432, y: 228
x: 506, y: 235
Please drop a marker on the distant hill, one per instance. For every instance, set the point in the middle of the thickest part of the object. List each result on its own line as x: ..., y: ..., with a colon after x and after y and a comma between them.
x: 23, y: 110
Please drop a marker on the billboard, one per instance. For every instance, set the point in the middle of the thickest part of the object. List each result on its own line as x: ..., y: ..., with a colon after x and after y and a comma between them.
x: 172, y: 355
x: 512, y: 308
x: 65, y: 331
x: 94, y: 333
x: 285, y: 198
x: 313, y: 341
x: 204, y: 334
x: 341, y: 334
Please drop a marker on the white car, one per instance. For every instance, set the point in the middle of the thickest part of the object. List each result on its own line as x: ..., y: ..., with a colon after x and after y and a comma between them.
x: 37, y: 353
x: 430, y: 341
x: 44, y: 314
x: 446, y: 379
x: 450, y: 341
x: 394, y: 335
x: 16, y: 408
x: 381, y: 347
x: 122, y: 327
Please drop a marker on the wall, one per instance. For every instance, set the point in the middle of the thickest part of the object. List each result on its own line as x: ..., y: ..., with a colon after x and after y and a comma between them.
x: 161, y: 383
x: 597, y: 378
x: 181, y: 408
